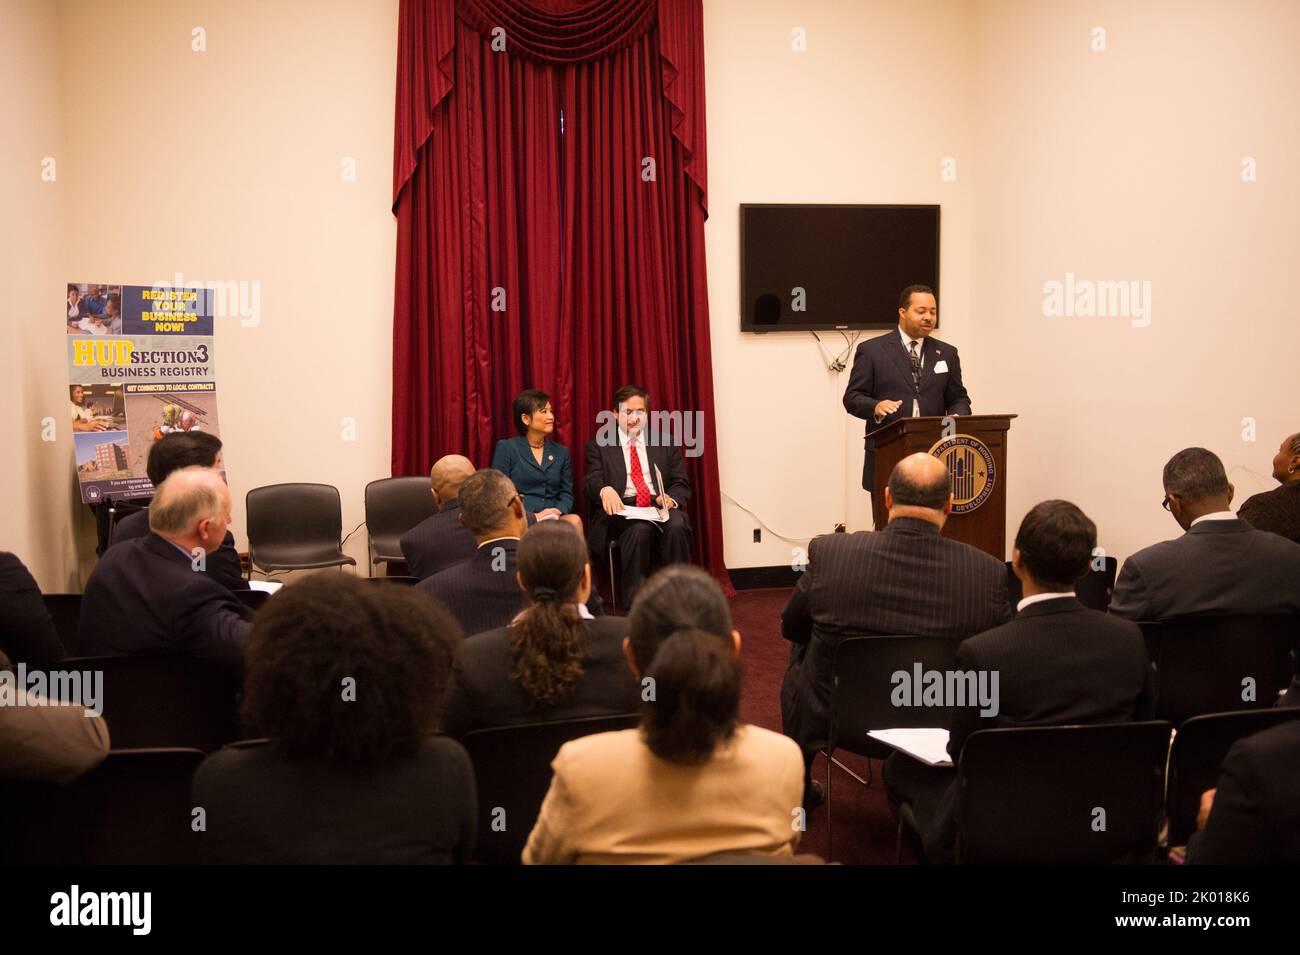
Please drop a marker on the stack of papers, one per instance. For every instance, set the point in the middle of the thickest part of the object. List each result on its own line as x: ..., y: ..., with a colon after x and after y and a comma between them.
x: 928, y: 744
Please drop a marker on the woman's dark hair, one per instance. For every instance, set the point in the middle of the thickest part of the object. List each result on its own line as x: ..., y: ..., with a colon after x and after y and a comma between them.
x: 181, y: 449
x: 549, y: 638
x: 528, y: 402
x: 680, y: 635
x: 348, y: 672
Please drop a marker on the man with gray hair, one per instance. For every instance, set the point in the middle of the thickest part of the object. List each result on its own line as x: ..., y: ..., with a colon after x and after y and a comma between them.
x: 904, y: 580
x: 150, y: 595
x: 482, y: 592
x: 1221, y: 565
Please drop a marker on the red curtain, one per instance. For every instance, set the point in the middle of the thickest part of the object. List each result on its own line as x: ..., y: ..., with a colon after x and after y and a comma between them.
x: 550, y: 188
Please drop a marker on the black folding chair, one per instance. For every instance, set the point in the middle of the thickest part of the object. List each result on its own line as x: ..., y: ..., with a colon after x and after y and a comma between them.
x: 295, y: 527
x: 394, y: 579
x: 133, y: 809
x: 1079, y: 795
x: 167, y: 701
x: 862, y: 691
x: 1208, y: 664
x: 393, y: 507
x: 65, y: 609
x: 512, y: 769
x: 1093, y: 589
x: 1197, y: 755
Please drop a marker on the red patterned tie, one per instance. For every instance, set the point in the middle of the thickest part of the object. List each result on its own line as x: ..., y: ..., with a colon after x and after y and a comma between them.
x: 638, y: 482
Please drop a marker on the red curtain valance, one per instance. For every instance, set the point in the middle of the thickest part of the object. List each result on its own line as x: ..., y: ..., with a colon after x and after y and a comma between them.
x: 551, y: 31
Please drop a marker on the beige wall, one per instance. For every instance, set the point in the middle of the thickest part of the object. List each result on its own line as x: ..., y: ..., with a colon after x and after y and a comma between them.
x: 225, y: 165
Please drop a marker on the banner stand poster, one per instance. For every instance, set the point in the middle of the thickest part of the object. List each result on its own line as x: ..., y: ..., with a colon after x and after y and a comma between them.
x: 140, y: 366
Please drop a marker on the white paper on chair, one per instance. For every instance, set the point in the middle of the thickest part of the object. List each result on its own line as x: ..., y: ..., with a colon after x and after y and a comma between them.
x: 644, y: 514
x: 270, y: 586
x: 928, y: 744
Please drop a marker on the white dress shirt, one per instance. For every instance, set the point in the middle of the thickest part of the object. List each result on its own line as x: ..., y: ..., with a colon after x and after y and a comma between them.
x: 1039, y: 598
x: 1216, y: 516
x: 920, y: 353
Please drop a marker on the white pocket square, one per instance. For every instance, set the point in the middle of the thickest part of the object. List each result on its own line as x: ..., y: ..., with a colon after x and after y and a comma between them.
x: 941, y: 368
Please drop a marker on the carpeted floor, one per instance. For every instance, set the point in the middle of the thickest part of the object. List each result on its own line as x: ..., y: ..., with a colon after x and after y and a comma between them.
x: 864, y: 830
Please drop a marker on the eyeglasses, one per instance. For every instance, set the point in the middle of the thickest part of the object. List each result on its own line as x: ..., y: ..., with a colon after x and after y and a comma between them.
x: 1165, y: 502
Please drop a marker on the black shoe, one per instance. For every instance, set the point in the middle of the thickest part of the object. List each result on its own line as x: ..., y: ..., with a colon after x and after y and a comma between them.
x: 813, y: 796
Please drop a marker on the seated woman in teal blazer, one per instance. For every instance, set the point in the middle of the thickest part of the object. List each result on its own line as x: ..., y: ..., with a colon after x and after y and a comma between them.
x: 540, y: 469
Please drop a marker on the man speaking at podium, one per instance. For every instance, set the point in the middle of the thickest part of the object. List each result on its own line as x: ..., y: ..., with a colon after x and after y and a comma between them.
x: 905, y: 375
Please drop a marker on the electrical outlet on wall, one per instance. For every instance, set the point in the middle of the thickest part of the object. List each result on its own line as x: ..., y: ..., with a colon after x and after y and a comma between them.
x: 758, y: 535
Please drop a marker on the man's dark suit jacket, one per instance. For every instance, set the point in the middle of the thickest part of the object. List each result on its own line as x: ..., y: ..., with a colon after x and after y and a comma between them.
x: 27, y: 633
x: 882, y: 371
x: 440, y: 541
x: 1256, y: 814
x: 143, y: 598
x: 267, y: 809
x: 481, y: 597
x: 904, y: 580
x: 605, y: 467
x: 222, y: 565
x: 1057, y: 662
x: 1217, y: 567
x: 485, y: 693
x: 1276, y: 511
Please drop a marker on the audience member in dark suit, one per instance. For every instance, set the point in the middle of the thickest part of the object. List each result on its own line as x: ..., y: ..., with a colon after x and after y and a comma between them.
x: 904, y: 374
x: 1221, y: 565
x: 1278, y: 510
x: 346, y: 680
x: 621, y: 464
x: 554, y: 661
x: 147, y: 596
x: 1057, y: 663
x: 441, y: 541
x: 539, y: 467
x: 692, y: 780
x: 481, y: 592
x: 185, y: 449
x: 905, y: 580
x: 27, y: 634
x: 1253, y: 816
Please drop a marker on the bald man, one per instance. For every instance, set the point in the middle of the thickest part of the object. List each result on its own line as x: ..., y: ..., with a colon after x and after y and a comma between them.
x: 441, y: 540
x: 151, y: 595
x: 905, y: 580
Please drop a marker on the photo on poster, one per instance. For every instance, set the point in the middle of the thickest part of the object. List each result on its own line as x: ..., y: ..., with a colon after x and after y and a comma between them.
x: 97, y: 408
x: 94, y: 308
x: 102, y: 455
x: 156, y: 410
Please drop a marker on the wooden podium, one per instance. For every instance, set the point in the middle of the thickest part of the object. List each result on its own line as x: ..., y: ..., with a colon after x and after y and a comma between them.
x: 976, y: 455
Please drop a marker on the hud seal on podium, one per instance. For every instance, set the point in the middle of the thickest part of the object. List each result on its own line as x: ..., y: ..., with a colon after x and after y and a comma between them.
x: 970, y: 465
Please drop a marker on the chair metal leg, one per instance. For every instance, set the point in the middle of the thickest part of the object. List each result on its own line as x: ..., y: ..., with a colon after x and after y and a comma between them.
x: 830, y: 825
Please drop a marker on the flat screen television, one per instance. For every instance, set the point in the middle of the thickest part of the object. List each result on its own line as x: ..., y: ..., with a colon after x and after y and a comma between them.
x: 833, y: 267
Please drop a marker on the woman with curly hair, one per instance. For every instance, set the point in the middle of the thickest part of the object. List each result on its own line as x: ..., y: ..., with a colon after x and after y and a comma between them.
x: 554, y: 661
x: 345, y: 680
x: 693, y: 780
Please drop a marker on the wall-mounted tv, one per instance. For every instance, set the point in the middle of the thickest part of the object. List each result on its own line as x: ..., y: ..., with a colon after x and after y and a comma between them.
x: 832, y: 267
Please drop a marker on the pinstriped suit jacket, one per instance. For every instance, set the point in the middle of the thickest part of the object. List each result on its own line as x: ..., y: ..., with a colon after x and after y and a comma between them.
x: 904, y: 580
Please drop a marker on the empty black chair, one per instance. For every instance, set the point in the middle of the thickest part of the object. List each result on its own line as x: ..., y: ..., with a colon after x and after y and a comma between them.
x: 295, y: 527
x: 133, y: 809
x: 1078, y: 795
x: 1203, y: 664
x: 170, y: 701
x: 1093, y: 589
x: 65, y: 609
x: 862, y: 686
x: 252, y: 599
x: 512, y: 767
x: 393, y: 507
x: 1197, y: 755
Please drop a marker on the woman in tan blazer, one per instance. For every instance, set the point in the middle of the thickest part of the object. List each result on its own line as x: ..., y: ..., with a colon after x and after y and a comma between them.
x: 692, y: 780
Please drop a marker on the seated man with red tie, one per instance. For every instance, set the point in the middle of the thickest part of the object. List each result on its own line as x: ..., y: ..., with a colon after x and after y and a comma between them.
x: 621, y: 467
